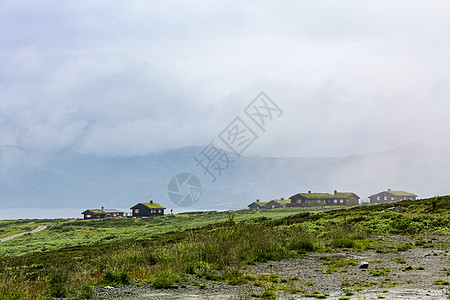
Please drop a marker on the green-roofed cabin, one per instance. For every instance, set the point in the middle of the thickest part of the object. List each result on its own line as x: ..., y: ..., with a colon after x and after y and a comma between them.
x: 323, y: 199
x: 147, y: 209
x: 102, y: 213
x: 277, y: 203
x: 391, y: 196
x: 94, y: 214
x: 257, y: 204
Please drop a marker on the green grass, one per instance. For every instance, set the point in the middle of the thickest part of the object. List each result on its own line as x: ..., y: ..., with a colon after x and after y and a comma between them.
x: 63, y: 233
x: 379, y: 272
x: 73, y: 255
x: 398, y: 260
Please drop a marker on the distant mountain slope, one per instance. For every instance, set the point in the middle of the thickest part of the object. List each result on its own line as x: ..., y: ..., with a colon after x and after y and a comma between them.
x: 66, y: 179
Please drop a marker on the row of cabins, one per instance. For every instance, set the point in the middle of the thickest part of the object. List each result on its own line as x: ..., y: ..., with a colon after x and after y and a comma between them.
x: 147, y: 209
x: 337, y: 198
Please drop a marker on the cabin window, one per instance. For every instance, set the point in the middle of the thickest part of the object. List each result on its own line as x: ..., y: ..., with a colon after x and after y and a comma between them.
x: 385, y: 198
x: 88, y: 216
x: 136, y: 211
x: 160, y: 210
x: 392, y: 198
x: 318, y: 201
x: 342, y: 200
x: 378, y: 198
x: 335, y: 200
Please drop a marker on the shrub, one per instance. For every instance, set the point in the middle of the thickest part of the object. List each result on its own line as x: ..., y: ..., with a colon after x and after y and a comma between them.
x: 165, y: 278
x: 344, y: 236
x: 59, y: 285
x: 269, y: 294
x: 301, y: 241
x: 115, y: 277
x: 86, y: 292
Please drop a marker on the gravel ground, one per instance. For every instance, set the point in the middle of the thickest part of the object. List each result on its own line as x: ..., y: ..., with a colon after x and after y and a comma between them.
x: 408, y: 274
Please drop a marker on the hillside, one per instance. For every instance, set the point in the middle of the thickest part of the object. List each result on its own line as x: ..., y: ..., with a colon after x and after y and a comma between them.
x: 225, y: 251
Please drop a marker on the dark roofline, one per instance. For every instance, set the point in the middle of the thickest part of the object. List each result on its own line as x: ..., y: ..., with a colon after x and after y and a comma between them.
x: 157, y: 205
x: 112, y: 210
x: 396, y: 195
x: 88, y: 211
x: 324, y: 196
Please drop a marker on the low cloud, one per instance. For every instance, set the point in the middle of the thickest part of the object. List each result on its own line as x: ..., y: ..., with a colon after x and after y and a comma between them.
x: 136, y: 78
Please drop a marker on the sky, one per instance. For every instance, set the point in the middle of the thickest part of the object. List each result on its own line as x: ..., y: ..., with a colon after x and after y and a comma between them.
x: 125, y: 78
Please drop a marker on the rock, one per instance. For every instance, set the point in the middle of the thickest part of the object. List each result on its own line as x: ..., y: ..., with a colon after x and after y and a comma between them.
x: 364, y: 265
x: 396, y: 209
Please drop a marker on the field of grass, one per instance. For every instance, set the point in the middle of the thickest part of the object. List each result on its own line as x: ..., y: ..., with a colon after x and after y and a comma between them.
x: 73, y: 255
x: 77, y: 232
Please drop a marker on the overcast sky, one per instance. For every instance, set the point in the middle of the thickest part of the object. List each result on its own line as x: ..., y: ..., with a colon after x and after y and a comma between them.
x: 138, y: 77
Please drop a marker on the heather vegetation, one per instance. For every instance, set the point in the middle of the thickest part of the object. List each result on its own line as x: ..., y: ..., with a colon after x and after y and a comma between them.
x: 169, y: 250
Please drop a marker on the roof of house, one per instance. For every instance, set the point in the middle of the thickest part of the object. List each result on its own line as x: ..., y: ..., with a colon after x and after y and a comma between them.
x: 150, y: 205
x: 282, y: 202
x: 258, y: 203
x: 95, y: 211
x: 396, y: 193
x: 402, y: 193
x: 112, y: 210
x: 325, y: 195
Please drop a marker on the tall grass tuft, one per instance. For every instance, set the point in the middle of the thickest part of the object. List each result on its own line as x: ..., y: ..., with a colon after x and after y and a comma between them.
x: 115, y: 277
x: 165, y: 278
x: 301, y: 241
x: 344, y: 236
x: 59, y: 285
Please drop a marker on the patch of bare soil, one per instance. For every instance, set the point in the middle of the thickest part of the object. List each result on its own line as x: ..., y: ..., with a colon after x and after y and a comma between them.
x: 417, y: 273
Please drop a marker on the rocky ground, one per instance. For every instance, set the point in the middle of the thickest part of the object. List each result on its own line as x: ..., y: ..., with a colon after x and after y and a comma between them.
x: 411, y: 274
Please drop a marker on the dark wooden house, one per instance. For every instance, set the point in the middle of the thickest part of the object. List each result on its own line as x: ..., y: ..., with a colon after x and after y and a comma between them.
x: 277, y: 203
x: 391, y: 196
x: 147, y: 209
x: 94, y: 214
x: 102, y: 213
x: 325, y: 199
x: 257, y: 204
x: 111, y: 213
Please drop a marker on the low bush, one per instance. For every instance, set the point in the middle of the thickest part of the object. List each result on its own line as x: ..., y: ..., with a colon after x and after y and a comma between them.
x: 165, y: 278
x: 115, y: 277
x: 59, y: 285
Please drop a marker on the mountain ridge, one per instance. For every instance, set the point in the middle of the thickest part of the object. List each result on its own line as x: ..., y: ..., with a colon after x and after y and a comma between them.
x: 67, y: 179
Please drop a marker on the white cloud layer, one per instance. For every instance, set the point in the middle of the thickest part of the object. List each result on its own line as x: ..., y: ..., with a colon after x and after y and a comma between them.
x: 136, y: 77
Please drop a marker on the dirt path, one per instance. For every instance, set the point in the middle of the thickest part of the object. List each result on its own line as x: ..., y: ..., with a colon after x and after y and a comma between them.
x: 417, y: 273
x: 40, y: 228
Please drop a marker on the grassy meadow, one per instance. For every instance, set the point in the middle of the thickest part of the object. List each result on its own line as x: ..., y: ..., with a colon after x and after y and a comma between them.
x: 77, y: 232
x: 72, y: 256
